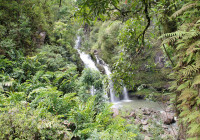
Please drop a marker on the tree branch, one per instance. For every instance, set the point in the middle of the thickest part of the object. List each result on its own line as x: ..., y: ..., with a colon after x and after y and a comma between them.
x: 60, y: 3
x: 168, y: 55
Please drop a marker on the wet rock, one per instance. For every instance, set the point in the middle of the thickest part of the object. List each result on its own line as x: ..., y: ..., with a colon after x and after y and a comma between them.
x: 70, y: 125
x: 147, y: 112
x: 115, y: 112
x: 164, y: 126
x: 133, y: 114
x: 145, y: 128
x: 140, y: 96
x: 42, y: 37
x: 159, y: 59
x: 168, y: 118
x: 169, y: 109
x: 76, y: 138
x: 137, y: 121
x: 144, y: 122
x: 95, y: 52
x: 146, y: 138
x: 142, y: 109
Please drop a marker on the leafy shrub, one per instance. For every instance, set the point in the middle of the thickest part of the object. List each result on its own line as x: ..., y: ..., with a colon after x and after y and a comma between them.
x: 22, y: 122
x: 91, y: 124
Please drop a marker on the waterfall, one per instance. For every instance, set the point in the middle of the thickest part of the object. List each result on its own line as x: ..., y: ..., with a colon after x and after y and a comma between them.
x: 125, y: 94
x: 113, y: 98
x: 88, y: 62
x: 92, y: 91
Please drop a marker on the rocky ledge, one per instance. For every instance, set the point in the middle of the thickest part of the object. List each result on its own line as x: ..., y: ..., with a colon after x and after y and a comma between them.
x: 151, y: 122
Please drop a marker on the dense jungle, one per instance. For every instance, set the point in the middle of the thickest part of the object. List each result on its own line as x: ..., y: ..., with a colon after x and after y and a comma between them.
x: 100, y: 69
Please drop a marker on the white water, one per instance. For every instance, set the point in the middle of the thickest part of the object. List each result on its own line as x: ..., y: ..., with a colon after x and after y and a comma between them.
x: 92, y: 91
x: 89, y: 63
x: 113, y: 98
x: 125, y: 94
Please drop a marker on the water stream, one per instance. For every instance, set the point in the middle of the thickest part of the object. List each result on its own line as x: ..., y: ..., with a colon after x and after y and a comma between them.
x: 125, y: 94
x: 112, y: 92
x: 89, y: 63
x: 126, y: 102
x: 113, y: 98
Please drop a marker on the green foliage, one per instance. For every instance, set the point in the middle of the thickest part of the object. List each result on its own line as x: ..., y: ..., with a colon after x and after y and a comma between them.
x: 103, y: 38
x: 186, y: 42
x: 42, y: 89
x: 21, y: 19
x: 91, y: 79
x: 90, y: 125
x: 22, y: 122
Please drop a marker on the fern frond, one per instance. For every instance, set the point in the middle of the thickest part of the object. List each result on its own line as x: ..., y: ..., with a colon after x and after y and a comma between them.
x: 193, y: 116
x: 183, y: 86
x: 172, y: 37
x: 181, y: 45
x: 192, y: 138
x: 193, y: 47
x: 196, y: 80
x: 189, y: 70
x: 183, y: 9
x: 185, y: 113
x: 194, y: 129
x: 178, y: 34
x: 191, y: 34
x: 37, y: 76
x: 198, y: 59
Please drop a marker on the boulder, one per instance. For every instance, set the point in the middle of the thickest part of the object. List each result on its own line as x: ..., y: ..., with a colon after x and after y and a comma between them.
x: 137, y: 121
x: 42, y: 37
x: 145, y: 128
x: 144, y: 122
x: 146, y: 138
x: 133, y: 114
x: 146, y: 111
x: 168, y: 118
x: 115, y: 112
x: 95, y: 52
x: 164, y: 126
x: 169, y: 109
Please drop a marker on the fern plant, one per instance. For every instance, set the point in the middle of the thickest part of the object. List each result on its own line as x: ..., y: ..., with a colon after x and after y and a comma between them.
x: 187, y: 70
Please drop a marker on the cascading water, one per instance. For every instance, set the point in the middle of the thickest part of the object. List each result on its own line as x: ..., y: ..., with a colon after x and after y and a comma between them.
x: 92, y: 91
x: 125, y: 93
x: 89, y: 63
x: 113, y: 98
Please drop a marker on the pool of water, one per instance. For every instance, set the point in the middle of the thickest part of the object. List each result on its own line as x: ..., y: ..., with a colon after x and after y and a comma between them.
x: 138, y: 103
